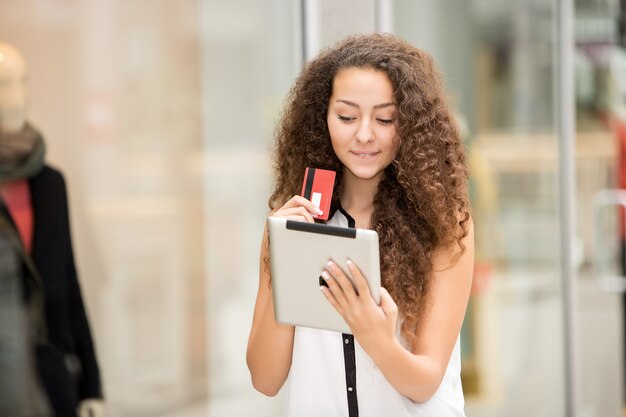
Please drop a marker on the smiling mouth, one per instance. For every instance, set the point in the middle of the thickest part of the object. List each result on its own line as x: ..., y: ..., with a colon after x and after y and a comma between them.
x: 364, y: 155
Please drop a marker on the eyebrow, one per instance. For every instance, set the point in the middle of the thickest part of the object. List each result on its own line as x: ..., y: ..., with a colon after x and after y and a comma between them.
x: 378, y: 106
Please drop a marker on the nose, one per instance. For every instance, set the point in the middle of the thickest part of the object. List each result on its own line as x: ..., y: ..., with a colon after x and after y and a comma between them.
x: 364, y: 134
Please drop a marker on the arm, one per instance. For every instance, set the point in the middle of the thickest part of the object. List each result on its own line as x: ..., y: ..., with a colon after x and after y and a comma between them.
x: 270, y: 344
x: 416, y: 374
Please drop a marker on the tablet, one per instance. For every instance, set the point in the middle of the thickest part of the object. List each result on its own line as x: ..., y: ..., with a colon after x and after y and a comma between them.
x: 299, y: 252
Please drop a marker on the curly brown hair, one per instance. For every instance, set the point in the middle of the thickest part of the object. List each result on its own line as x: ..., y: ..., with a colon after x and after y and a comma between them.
x: 421, y: 204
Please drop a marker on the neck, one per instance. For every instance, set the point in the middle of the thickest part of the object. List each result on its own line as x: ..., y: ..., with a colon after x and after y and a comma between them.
x: 358, y: 194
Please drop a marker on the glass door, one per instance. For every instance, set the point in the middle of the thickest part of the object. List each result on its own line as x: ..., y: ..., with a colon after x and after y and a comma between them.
x: 500, y: 64
x: 600, y: 75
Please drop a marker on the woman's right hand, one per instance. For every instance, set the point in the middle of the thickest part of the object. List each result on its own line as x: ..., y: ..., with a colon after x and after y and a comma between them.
x: 300, y: 209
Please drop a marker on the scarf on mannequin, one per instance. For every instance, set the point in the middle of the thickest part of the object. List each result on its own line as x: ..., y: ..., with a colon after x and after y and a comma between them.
x: 21, y: 154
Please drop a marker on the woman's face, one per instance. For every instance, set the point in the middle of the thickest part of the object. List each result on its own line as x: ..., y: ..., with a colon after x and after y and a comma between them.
x: 361, y: 121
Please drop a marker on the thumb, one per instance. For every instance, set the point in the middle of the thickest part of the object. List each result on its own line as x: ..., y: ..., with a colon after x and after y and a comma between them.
x: 387, y: 304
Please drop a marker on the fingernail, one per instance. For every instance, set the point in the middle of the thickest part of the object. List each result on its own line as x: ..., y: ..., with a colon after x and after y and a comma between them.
x: 331, y: 264
x: 318, y: 211
x: 325, y: 275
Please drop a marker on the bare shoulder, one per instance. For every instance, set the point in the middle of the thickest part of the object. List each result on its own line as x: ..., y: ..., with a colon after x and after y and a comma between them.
x: 449, y: 292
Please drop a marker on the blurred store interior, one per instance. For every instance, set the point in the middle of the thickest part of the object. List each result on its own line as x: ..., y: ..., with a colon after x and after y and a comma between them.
x: 161, y: 115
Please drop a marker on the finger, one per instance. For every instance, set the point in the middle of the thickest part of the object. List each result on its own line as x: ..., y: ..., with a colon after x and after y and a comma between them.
x: 359, y: 280
x: 390, y: 308
x: 343, y: 281
x: 331, y: 299
x: 335, y: 289
x: 306, y: 214
x: 299, y: 212
x: 299, y: 201
x: 302, y: 212
x: 296, y: 218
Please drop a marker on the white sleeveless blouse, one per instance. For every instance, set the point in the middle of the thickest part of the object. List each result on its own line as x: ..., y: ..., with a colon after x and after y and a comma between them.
x: 317, y: 384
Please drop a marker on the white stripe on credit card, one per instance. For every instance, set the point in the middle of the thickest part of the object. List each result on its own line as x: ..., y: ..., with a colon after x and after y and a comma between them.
x: 316, y: 199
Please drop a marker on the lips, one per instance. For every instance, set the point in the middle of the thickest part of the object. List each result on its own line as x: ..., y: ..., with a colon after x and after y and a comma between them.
x: 365, y: 154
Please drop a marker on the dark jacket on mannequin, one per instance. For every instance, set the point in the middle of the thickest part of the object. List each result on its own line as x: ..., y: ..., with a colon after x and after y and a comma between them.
x: 69, y: 339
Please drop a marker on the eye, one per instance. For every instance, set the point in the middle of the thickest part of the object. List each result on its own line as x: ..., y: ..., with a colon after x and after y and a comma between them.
x: 345, y: 119
x: 385, y: 121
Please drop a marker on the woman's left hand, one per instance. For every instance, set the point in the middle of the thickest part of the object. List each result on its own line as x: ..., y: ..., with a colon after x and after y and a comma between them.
x: 373, y: 326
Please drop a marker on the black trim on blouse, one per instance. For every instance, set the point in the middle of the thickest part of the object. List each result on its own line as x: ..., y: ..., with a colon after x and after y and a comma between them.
x: 349, y: 357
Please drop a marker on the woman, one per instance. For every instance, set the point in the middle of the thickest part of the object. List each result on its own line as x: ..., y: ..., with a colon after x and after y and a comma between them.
x: 372, y: 109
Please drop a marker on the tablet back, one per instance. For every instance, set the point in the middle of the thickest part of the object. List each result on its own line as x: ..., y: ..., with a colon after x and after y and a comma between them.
x: 298, y: 253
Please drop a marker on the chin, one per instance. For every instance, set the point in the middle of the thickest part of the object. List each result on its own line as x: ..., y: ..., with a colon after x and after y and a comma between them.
x: 12, y: 123
x: 365, y: 174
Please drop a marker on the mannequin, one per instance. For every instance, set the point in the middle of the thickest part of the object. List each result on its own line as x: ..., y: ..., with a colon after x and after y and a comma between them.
x: 35, y: 202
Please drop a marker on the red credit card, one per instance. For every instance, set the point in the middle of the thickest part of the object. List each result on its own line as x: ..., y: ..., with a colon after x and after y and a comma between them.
x: 318, y: 188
